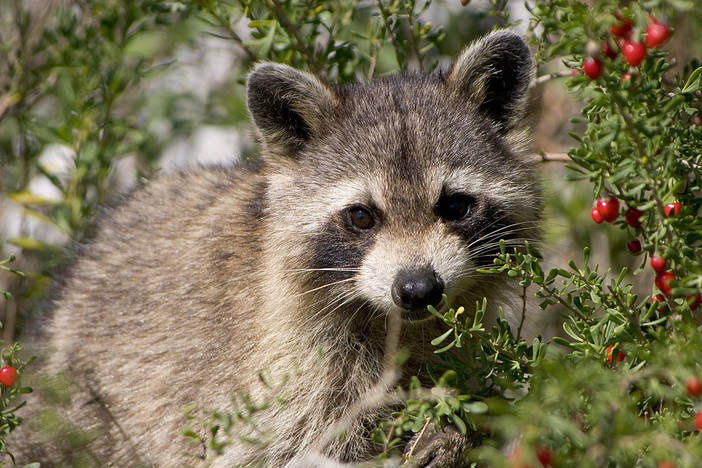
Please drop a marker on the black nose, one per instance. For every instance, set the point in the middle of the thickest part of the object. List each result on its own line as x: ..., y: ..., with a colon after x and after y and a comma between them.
x: 415, y: 289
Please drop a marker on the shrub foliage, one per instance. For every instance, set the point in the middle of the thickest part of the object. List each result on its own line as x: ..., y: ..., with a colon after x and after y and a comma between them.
x: 614, y: 388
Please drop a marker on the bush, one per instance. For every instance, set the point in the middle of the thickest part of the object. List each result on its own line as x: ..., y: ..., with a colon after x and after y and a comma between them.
x: 616, y: 387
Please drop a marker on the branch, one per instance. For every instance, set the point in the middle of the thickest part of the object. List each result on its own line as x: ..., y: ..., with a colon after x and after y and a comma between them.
x: 552, y: 157
x: 294, y: 31
x: 377, y: 395
x: 539, y: 80
x: 398, y: 50
x: 223, y: 23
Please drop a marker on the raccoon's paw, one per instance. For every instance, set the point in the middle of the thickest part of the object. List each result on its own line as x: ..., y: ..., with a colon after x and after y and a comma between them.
x: 445, y: 448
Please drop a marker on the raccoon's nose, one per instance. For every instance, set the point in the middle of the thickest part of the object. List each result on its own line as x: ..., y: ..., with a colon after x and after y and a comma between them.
x: 415, y: 289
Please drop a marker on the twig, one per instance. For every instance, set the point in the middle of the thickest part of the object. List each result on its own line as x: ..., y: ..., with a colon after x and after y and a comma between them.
x: 379, y: 394
x: 415, y: 39
x: 419, y: 437
x: 521, y: 322
x: 398, y: 50
x: 232, y: 34
x: 551, y: 76
x: 373, y: 60
x: 552, y: 157
x: 294, y: 31
x: 637, y: 321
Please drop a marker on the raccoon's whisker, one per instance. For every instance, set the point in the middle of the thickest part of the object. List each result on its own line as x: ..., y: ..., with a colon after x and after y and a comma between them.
x: 339, y: 301
x: 492, y: 245
x: 359, y: 308
x: 506, y: 227
x: 491, y: 248
x: 498, y: 232
x: 327, y: 285
x: 495, y: 236
x: 343, y: 270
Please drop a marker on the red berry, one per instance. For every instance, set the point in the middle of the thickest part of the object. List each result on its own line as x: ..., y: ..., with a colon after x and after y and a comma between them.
x: 545, y: 455
x: 658, y: 264
x: 697, y: 120
x: 660, y: 299
x: 516, y: 459
x: 619, y: 357
x: 592, y: 67
x: 634, y: 246
x: 626, y: 77
x: 696, y: 300
x: 673, y: 208
x: 633, y: 217
x: 634, y: 52
x: 596, y: 216
x: 8, y: 376
x: 663, y: 282
x: 698, y: 420
x: 621, y: 28
x: 656, y: 34
x: 608, y: 209
x: 694, y: 386
x: 666, y: 464
x: 609, y: 51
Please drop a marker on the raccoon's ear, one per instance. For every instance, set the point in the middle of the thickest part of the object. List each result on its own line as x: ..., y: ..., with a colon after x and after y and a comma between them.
x: 287, y: 105
x: 495, y: 73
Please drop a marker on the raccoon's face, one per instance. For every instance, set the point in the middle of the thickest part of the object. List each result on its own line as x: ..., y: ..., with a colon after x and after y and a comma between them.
x: 394, y: 193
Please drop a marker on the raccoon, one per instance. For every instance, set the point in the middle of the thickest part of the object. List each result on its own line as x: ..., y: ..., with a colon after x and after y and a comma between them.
x: 368, y: 201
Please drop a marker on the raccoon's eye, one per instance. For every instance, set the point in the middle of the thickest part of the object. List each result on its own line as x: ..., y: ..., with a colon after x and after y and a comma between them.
x: 454, y: 207
x: 360, y: 218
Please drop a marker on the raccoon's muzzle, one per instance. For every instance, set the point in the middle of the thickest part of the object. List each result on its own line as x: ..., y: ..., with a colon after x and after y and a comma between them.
x: 413, y: 290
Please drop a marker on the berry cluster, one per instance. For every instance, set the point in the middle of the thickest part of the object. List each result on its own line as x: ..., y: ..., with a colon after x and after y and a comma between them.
x: 624, y: 38
x: 542, y: 453
x: 694, y: 389
x: 607, y: 209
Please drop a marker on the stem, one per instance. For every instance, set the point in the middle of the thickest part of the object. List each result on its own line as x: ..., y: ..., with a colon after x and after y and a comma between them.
x: 232, y: 34
x: 419, y: 437
x: 539, y: 80
x: 642, y: 154
x: 373, y: 59
x: 398, y: 50
x: 414, y: 38
x: 552, y: 294
x: 377, y: 394
x: 294, y: 31
x: 636, y: 320
x: 521, y: 322
x: 552, y: 157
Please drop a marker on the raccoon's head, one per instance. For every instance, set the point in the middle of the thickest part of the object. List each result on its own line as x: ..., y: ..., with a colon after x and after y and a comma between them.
x: 384, y: 196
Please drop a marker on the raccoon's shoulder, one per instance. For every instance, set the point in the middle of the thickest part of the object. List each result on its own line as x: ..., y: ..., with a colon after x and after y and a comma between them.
x: 175, y: 211
x: 186, y: 195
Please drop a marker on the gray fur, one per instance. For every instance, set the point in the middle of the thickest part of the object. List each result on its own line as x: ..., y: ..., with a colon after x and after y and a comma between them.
x: 201, y: 279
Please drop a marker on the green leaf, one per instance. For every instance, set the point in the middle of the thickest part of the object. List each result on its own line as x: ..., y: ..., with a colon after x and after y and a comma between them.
x: 26, y: 197
x: 28, y: 243
x: 475, y: 407
x: 446, y: 348
x: 440, y: 339
x: 693, y: 82
x: 459, y: 424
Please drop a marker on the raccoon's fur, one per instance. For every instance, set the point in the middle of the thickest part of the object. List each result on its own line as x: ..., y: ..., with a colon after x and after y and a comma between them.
x: 368, y: 200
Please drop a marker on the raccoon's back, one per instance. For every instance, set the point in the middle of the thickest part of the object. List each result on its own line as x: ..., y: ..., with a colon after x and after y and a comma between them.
x: 155, y: 309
